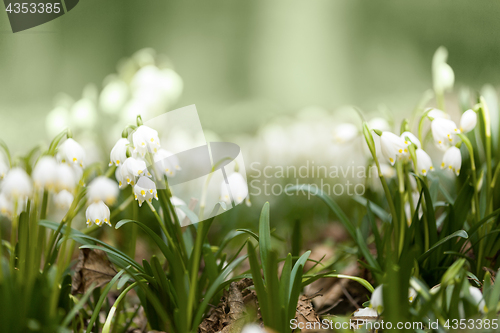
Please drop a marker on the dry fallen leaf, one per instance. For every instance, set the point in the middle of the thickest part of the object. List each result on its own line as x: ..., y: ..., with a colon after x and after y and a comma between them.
x: 93, y: 267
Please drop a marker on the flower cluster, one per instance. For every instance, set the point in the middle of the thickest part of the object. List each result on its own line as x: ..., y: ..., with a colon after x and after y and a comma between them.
x: 57, y: 175
x: 130, y: 158
x: 446, y: 138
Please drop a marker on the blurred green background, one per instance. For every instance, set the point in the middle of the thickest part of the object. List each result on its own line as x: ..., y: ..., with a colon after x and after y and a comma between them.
x: 245, y: 62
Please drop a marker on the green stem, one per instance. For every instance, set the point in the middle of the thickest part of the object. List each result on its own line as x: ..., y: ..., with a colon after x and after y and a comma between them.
x: 402, y: 219
x: 13, y: 238
x: 109, y: 319
x: 487, y: 133
x: 195, y: 263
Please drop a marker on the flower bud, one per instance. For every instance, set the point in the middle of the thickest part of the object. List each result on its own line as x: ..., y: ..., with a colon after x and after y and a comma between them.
x: 468, y: 121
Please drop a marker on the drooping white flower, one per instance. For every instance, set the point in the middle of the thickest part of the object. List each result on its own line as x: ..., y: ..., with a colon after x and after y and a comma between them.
x: 6, y: 205
x: 345, y: 132
x: 477, y: 295
x: 83, y: 113
x: 3, y: 168
x: 135, y: 167
x: 63, y: 200
x: 392, y: 146
x: 118, y: 154
x: 71, y: 152
x: 103, y: 189
x: 252, y: 328
x: 412, y: 137
x: 468, y: 121
x: 97, y: 213
x: 176, y: 202
x: 44, y: 174
x: 365, y: 312
x: 424, y: 162
x: 412, y: 294
x: 145, y: 139
x: 113, y: 96
x: 121, y: 175
x: 442, y: 74
x: 377, y: 300
x: 66, y: 178
x: 379, y: 123
x: 17, y: 185
x: 437, y: 114
x: 452, y: 160
x: 238, y: 189
x: 166, y: 162
x: 145, y: 190
x: 444, y: 132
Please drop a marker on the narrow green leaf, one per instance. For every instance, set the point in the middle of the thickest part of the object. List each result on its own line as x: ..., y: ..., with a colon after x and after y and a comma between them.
x: 459, y: 233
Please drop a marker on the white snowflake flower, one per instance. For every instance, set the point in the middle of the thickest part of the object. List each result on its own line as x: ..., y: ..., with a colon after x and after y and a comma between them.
x: 17, y: 185
x: 167, y: 163
x: 66, y: 178
x: 44, y: 174
x: 468, y: 121
x: 145, y: 190
x: 145, y: 139
x: 98, y: 213
x: 118, y: 154
x: 444, y: 132
x: 103, y: 189
x: 424, y: 162
x: 71, y: 152
x: 345, y: 132
x: 392, y: 147
x: 4, y: 167
x: 452, y: 160
x: 63, y: 200
x: 377, y: 300
x: 238, y: 189
x: 412, y: 137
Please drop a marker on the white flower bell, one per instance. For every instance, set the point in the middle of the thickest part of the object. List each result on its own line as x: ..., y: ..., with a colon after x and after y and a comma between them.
x: 468, y: 121
x: 166, y: 162
x: 345, y: 132
x: 66, y: 178
x: 424, y: 162
x: 71, y: 152
x: 6, y: 206
x: 44, y: 174
x: 98, y: 213
x: 237, y: 186
x: 118, y: 154
x: 145, y: 139
x: 392, y: 146
x: 176, y: 202
x: 365, y: 312
x: 17, y: 185
x: 134, y: 167
x: 442, y: 74
x: 437, y: 114
x: 252, y: 328
x: 452, y: 160
x: 412, y: 137
x: 145, y: 190
x: 444, y: 132
x: 103, y: 189
x: 379, y: 123
x: 113, y: 96
x: 63, y: 200
x: 377, y: 300
x: 477, y: 295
